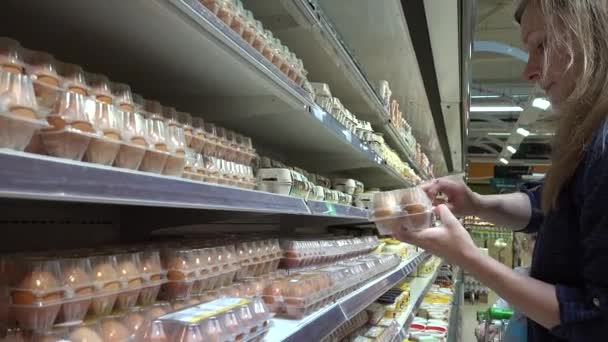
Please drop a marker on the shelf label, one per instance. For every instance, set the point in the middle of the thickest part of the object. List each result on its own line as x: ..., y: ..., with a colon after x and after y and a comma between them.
x: 330, y: 209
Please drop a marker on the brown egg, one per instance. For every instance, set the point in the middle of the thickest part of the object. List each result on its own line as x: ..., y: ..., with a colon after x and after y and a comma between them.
x: 84, y: 334
x: 415, y: 208
x: 129, y: 270
x: 274, y: 290
x: 155, y: 312
x: 114, y: 331
x: 75, y: 278
x: 134, y: 322
x: 107, y: 274
x: 296, y: 290
x: 175, y: 265
x: 384, y: 212
x: 384, y: 200
x: 37, y: 281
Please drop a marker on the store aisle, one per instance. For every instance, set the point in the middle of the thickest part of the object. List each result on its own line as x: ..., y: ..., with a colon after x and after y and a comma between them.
x: 469, y: 317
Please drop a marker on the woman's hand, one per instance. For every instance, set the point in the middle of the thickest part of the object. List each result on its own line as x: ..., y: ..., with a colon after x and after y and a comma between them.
x: 450, y: 240
x: 460, y: 199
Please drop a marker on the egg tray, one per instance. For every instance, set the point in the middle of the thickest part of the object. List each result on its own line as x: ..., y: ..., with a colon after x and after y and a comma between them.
x: 197, y: 283
x: 16, y: 131
x: 299, y: 307
x: 256, y: 269
x: 233, y: 318
x: 43, y: 314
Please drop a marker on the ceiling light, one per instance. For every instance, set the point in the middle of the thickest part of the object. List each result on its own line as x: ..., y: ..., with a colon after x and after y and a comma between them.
x: 485, y: 96
x: 499, y: 133
x: 504, y: 161
x: 522, y: 131
x: 496, y: 109
x: 511, y: 149
x: 541, y: 103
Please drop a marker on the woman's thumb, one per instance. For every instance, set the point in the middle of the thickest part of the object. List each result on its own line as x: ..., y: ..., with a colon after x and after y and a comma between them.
x: 448, y: 219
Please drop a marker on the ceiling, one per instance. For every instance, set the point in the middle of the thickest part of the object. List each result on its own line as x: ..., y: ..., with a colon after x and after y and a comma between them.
x: 497, y: 65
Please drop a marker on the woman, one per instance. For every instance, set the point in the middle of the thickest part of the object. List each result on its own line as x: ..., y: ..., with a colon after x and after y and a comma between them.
x: 566, y: 295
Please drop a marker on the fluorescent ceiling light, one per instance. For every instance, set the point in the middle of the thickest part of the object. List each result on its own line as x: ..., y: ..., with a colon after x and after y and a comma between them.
x: 504, y: 161
x: 485, y: 96
x: 522, y: 131
x: 499, y: 133
x: 541, y: 103
x: 496, y: 109
x: 511, y: 149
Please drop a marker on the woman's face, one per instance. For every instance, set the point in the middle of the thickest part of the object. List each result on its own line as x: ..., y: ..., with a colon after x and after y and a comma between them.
x: 559, y: 82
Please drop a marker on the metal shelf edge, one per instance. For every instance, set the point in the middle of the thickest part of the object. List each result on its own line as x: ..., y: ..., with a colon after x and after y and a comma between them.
x: 320, y: 324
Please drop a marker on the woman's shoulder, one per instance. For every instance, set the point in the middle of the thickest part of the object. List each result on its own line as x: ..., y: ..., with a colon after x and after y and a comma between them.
x: 598, y: 146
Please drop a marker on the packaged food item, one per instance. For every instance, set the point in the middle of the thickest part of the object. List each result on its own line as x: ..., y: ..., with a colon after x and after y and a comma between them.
x: 11, y: 59
x: 249, y: 28
x: 153, y: 276
x: 74, y: 79
x: 113, y: 330
x: 36, y: 293
x: 409, y: 209
x: 86, y: 332
x: 224, y: 319
x: 259, y: 40
x: 42, y: 68
x: 268, y: 50
x: 239, y: 20
x: 72, y: 128
x: 108, y: 284
x: 76, y: 276
x: 156, y: 155
x: 197, y: 135
x: 180, y: 264
x: 100, y: 88
x: 103, y: 147
x: 176, y: 143
x: 133, y: 146
x: 185, y: 120
x: 123, y: 97
x: 17, y: 95
x: 210, y: 148
x: 129, y: 267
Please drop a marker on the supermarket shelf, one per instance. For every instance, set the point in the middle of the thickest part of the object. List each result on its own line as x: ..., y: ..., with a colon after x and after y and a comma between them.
x: 210, y: 71
x: 393, y: 138
x: 455, y: 323
x: 336, y: 210
x: 311, y: 35
x: 418, y: 289
x: 320, y: 324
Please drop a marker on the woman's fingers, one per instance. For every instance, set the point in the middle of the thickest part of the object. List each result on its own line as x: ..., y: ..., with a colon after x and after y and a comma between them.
x: 445, y: 215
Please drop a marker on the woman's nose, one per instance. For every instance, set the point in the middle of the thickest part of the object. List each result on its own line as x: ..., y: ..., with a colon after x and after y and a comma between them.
x: 532, y: 71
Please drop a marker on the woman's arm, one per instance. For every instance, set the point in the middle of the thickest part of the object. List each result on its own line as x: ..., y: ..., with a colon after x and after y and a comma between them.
x: 509, y: 210
x: 535, y: 299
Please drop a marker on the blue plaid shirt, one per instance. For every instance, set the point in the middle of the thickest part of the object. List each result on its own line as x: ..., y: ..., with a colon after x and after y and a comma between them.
x: 572, y: 250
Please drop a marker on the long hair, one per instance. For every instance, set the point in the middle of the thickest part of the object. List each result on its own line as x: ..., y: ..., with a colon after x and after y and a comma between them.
x: 580, y: 30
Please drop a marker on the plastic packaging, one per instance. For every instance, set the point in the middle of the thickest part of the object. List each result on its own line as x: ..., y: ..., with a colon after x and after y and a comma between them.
x: 108, y: 121
x: 133, y: 147
x: 100, y: 88
x: 409, y: 209
x: 16, y: 132
x: 36, y: 293
x: 11, y: 59
x: 224, y: 319
x: 153, y: 276
x: 185, y: 120
x: 156, y: 156
x: 76, y: 276
x: 17, y: 95
x: 74, y: 79
x: 197, y: 135
x: 180, y: 264
x: 70, y: 112
x: 108, y: 284
x: 249, y: 28
x: 67, y: 143
x: 123, y: 97
x: 176, y: 143
x: 43, y: 70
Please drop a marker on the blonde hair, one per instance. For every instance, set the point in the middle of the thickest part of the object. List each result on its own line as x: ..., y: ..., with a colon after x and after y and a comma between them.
x: 580, y: 30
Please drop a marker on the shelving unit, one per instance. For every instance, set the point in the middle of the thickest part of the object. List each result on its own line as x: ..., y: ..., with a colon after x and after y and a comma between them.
x: 323, y: 322
x: 418, y: 289
x: 310, y: 34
